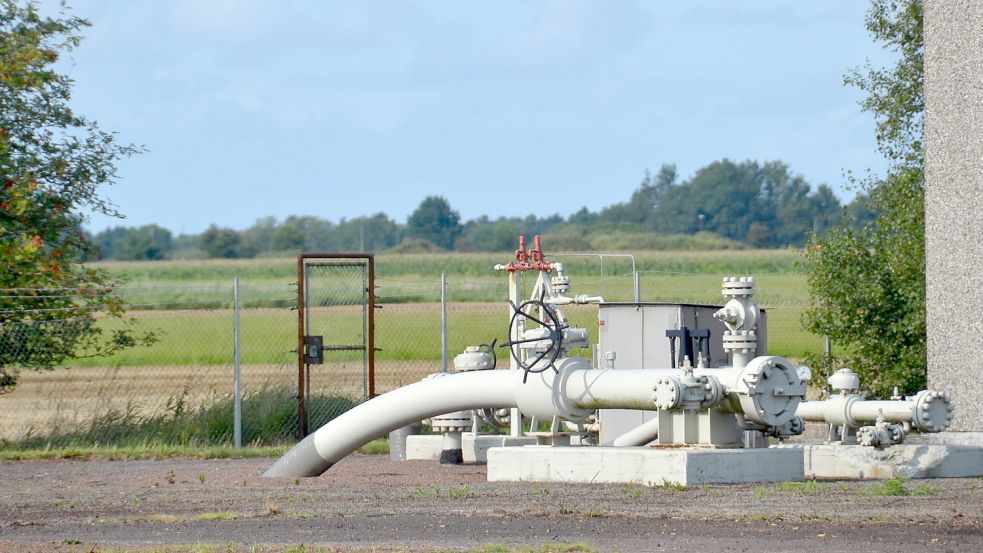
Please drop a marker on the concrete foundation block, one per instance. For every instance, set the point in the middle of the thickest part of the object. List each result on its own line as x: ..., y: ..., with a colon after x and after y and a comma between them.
x: 906, y: 460
x: 643, y: 465
x: 426, y: 447
x: 476, y: 451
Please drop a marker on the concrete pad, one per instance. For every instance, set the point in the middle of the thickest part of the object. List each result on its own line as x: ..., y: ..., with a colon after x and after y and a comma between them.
x: 428, y: 447
x: 425, y: 447
x: 643, y: 465
x: 907, y: 460
x: 476, y: 451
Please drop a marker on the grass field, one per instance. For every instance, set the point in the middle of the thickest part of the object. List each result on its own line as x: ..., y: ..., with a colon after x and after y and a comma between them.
x: 415, y: 277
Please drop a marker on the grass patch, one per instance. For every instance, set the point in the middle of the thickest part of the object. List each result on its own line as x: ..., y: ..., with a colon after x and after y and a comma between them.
x: 379, y: 446
x: 632, y: 491
x: 217, y: 515
x: 545, y: 548
x: 892, y: 487
x: 925, y: 489
x: 140, y: 452
x: 269, y: 418
x: 809, y: 487
x: 669, y: 485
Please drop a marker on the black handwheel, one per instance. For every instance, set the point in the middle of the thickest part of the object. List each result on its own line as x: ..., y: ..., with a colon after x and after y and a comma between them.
x: 555, y: 337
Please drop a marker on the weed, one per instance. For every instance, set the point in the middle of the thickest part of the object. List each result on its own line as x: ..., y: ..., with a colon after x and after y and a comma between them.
x: 758, y: 492
x: 596, y: 513
x: 217, y: 515
x: 427, y: 492
x: 201, y: 477
x: 671, y: 485
x: 925, y: 489
x: 378, y: 446
x: 460, y: 492
x: 539, y: 490
x: 296, y: 481
x: 631, y: 490
x: 492, y: 548
x: 754, y: 517
x: 170, y: 477
x: 69, y: 541
x: 809, y: 487
x: 160, y: 518
x: 890, y: 487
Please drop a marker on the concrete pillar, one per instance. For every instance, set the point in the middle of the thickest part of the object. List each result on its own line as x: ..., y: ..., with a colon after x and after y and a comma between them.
x: 954, y: 205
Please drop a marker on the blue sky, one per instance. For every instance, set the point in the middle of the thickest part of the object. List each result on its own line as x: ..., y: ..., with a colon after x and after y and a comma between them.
x: 252, y: 108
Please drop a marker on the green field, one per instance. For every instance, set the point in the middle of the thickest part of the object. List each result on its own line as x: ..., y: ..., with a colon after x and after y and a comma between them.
x: 187, y: 302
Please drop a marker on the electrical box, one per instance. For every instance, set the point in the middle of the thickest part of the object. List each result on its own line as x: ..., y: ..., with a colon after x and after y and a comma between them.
x: 633, y: 336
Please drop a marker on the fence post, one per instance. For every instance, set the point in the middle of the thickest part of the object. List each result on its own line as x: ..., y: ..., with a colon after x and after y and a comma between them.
x: 443, y: 322
x: 237, y: 373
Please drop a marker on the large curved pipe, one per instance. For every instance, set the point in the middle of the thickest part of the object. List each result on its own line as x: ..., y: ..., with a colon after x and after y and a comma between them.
x: 439, y: 394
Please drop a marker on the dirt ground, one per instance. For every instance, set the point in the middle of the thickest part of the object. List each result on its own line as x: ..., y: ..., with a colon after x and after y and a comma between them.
x: 370, y: 503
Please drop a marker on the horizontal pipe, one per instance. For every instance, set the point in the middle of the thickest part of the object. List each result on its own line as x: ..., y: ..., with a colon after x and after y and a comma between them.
x: 433, y: 396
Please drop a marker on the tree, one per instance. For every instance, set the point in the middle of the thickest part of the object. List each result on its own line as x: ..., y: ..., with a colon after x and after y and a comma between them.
x: 52, y: 163
x: 149, y: 242
x: 434, y: 220
x: 220, y: 242
x: 869, y: 282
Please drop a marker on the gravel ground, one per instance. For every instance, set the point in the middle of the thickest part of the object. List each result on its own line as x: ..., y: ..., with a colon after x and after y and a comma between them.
x: 371, y: 503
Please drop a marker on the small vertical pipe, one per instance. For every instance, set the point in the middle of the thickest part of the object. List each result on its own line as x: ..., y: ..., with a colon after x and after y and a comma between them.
x: 237, y: 373
x: 638, y: 289
x: 443, y: 322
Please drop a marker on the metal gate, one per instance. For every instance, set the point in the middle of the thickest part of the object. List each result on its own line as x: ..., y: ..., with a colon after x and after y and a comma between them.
x: 336, y: 335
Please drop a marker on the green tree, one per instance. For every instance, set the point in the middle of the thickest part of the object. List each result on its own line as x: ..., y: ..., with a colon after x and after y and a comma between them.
x: 146, y: 243
x: 53, y: 162
x: 869, y: 282
x: 220, y: 242
x: 434, y: 220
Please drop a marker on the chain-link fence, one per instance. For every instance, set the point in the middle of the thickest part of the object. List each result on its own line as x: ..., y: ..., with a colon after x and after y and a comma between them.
x: 180, y: 388
x: 177, y: 390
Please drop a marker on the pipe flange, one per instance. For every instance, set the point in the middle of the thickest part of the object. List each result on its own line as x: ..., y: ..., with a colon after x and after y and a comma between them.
x: 740, y: 340
x: 667, y: 393
x: 933, y: 411
x: 738, y: 286
x: 713, y: 391
x: 770, y: 390
x: 458, y: 421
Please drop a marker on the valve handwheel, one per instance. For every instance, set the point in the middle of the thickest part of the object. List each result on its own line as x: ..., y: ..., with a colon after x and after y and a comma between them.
x: 555, y: 337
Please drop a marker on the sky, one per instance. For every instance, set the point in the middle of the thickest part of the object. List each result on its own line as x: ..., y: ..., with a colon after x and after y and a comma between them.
x: 254, y: 108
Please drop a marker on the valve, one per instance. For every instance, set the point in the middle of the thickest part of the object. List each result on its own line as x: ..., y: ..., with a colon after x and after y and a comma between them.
x: 554, y: 334
x: 881, y: 434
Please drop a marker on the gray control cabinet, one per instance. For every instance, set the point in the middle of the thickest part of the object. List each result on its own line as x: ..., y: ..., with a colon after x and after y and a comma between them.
x: 635, y: 333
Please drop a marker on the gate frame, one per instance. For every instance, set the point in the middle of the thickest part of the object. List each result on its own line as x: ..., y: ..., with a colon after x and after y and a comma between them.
x: 301, y: 310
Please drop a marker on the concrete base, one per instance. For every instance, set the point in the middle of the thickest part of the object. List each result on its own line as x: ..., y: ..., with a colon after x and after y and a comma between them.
x: 476, y: 451
x: 424, y: 447
x: 428, y: 447
x: 906, y: 460
x: 947, y: 438
x: 643, y: 465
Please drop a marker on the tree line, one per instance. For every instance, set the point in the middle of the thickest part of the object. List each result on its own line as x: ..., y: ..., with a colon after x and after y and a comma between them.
x: 725, y: 204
